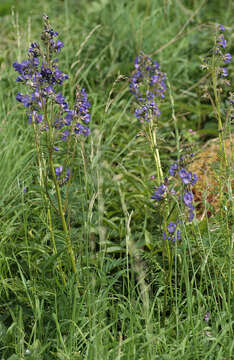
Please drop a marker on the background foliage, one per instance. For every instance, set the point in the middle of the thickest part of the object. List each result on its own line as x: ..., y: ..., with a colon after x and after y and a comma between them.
x: 118, y: 310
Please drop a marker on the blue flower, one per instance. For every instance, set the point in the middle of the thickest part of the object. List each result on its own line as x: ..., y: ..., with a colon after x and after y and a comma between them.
x: 58, y: 171
x: 207, y: 316
x: 26, y: 100
x: 147, y: 84
x: 221, y: 28
x: 222, y: 42
x: 172, y: 170
x: 178, y: 235
x: 194, y: 179
x: 224, y: 72
x: 171, y: 228
x: 227, y: 58
x: 187, y: 197
x: 186, y: 176
x: 158, y: 195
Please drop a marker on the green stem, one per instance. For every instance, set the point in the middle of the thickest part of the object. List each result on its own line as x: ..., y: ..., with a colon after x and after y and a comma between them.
x: 155, y: 151
x: 218, y: 114
x: 55, y: 248
x: 60, y: 206
x: 58, y: 193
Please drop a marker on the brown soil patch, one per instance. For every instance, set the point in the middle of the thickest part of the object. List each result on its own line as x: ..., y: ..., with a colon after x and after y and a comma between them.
x: 207, y: 167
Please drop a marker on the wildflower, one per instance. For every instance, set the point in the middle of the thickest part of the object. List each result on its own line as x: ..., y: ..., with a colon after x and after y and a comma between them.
x: 194, y: 179
x: 158, y: 195
x: 172, y: 170
x: 207, y: 316
x: 178, y: 235
x: 42, y: 76
x: 224, y: 72
x: 24, y: 99
x: 191, y: 215
x: 147, y: 84
x: 186, y: 176
x: 171, y: 227
x: 222, y: 42
x: 221, y: 28
x: 58, y: 171
x: 227, y: 58
x: 187, y: 197
x: 172, y: 233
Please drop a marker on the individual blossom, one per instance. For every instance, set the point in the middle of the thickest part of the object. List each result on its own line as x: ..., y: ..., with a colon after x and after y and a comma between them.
x: 207, y: 316
x: 178, y: 235
x: 173, y: 169
x: 171, y: 228
x: 58, y: 171
x: 159, y: 193
x: 172, y: 233
x: 221, y: 41
x: 186, y: 176
x: 187, y: 198
x: 223, y: 72
x: 227, y: 58
x: 221, y: 28
x: 194, y: 179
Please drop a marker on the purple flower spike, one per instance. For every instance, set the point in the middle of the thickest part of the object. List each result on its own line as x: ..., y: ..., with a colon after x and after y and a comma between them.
x: 41, y: 75
x: 147, y: 84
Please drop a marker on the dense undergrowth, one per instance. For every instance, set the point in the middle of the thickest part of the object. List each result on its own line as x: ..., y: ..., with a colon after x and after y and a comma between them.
x: 116, y: 284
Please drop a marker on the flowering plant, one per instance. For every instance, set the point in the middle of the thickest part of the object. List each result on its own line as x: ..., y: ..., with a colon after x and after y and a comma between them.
x: 56, y: 126
x: 177, y: 187
x: 147, y: 84
x: 216, y: 66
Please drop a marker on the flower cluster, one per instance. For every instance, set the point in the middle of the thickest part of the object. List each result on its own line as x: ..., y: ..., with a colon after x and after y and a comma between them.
x: 147, y: 84
x: 173, y: 233
x: 41, y: 74
x: 188, y: 179
x: 225, y: 57
x: 221, y: 56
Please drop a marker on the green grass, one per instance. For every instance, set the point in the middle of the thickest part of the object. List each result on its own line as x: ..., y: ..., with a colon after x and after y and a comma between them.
x: 118, y: 310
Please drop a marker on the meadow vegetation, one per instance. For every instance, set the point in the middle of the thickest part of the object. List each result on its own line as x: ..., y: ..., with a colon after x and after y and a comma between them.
x: 116, y: 201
